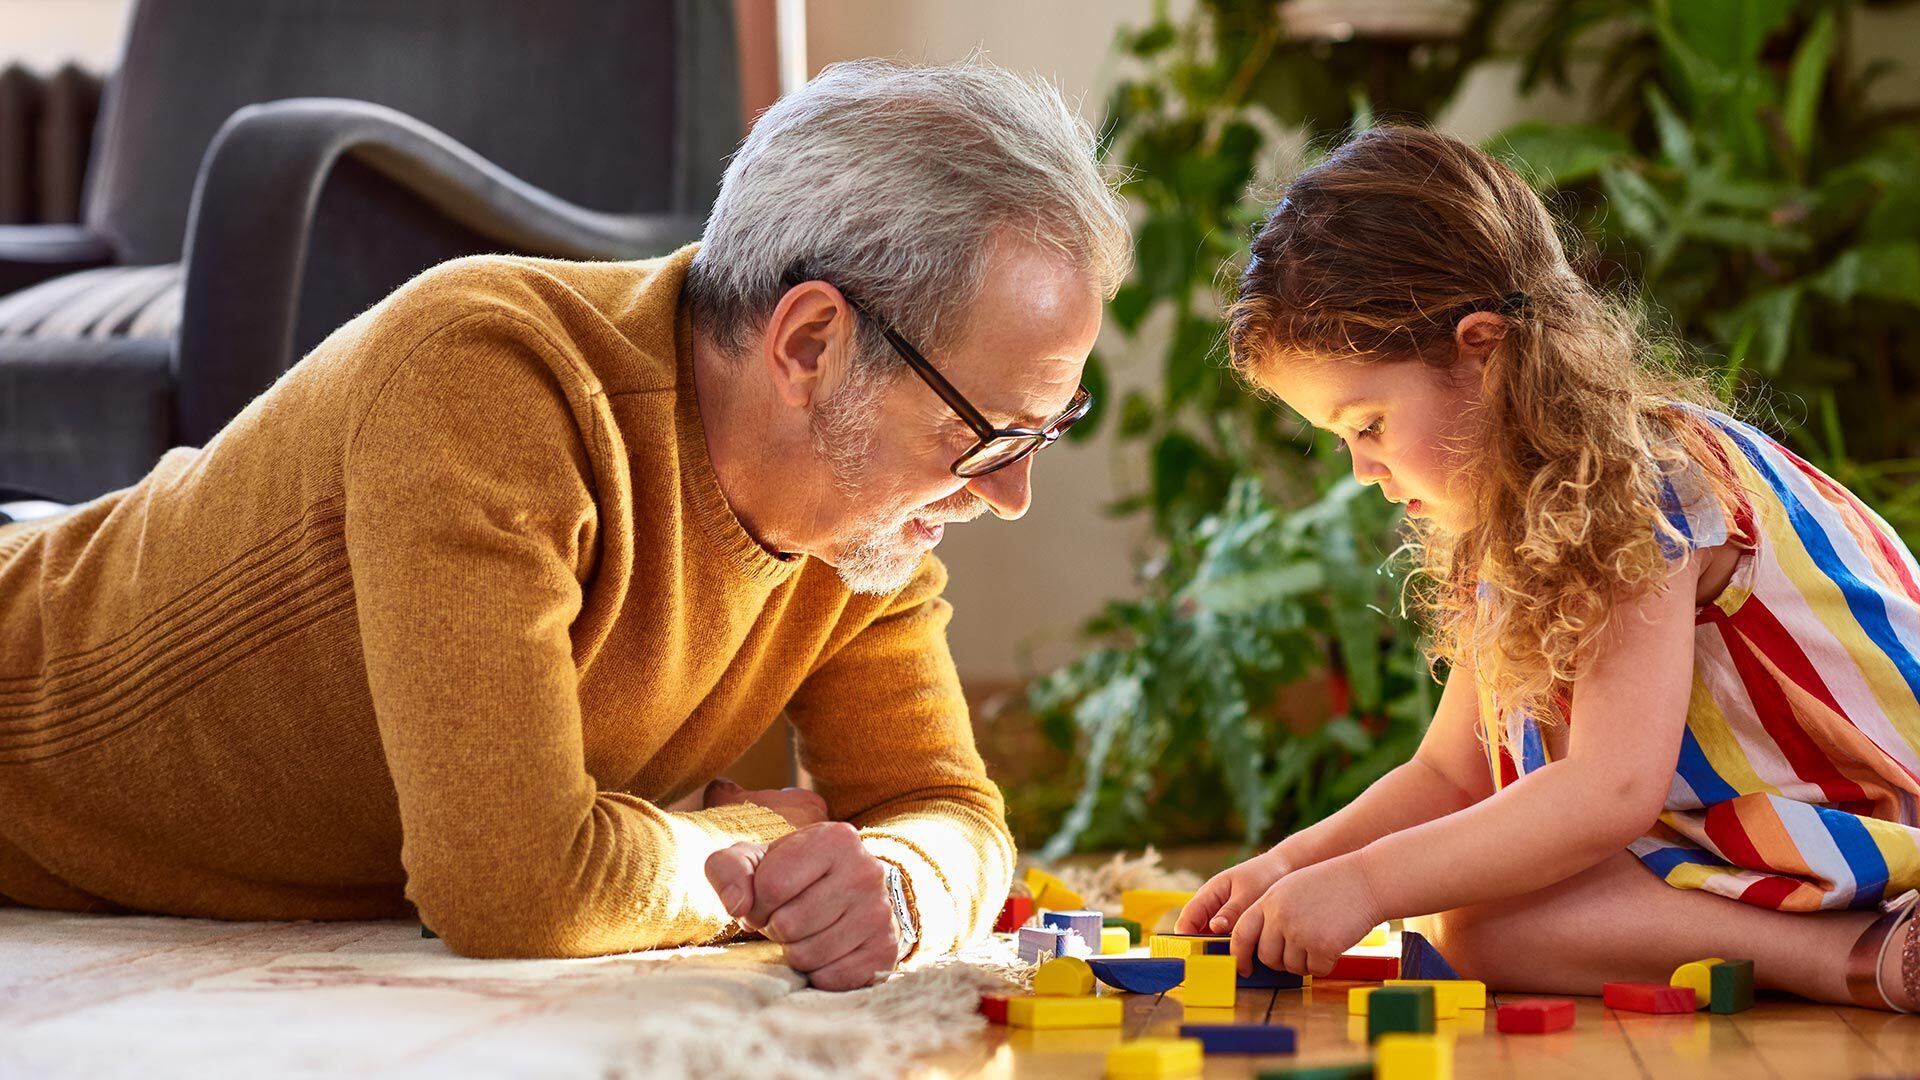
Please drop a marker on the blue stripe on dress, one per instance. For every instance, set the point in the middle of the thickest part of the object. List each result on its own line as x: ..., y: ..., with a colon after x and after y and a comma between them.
x: 1676, y: 516
x: 1864, y: 861
x: 1664, y: 861
x: 1700, y: 774
x: 1868, y: 607
x: 1533, y: 753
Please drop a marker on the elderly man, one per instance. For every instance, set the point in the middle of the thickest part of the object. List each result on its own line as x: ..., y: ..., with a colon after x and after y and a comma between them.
x: 447, y: 620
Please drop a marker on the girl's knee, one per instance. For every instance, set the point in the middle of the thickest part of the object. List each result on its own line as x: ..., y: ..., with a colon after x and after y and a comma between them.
x: 1468, y: 938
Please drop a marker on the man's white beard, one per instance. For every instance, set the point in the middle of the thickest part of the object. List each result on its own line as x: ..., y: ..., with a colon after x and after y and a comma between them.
x: 879, y: 562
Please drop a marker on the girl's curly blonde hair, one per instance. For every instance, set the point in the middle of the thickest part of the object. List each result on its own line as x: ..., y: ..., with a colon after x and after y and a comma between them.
x: 1375, y: 254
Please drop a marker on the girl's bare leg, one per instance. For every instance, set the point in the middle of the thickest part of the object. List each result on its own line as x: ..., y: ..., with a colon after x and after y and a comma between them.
x: 1618, y: 922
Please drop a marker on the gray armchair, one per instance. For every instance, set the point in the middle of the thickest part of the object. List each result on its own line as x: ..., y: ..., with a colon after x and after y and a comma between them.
x: 263, y: 171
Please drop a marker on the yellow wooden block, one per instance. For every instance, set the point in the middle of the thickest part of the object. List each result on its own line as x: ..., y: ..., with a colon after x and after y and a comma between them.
x: 1063, y: 1012
x: 1698, y: 977
x: 1357, y: 1000
x: 1154, y: 1059
x: 1147, y: 906
x: 1052, y: 893
x: 1178, y: 945
x: 1063, y: 976
x: 1209, y: 983
x: 1464, y: 993
x: 1114, y: 939
x: 1376, y: 936
x: 1413, y: 1057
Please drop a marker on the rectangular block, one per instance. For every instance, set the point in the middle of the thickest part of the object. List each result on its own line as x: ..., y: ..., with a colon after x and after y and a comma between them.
x: 1353, y: 1070
x: 1013, y: 914
x: 1413, y: 1057
x: 1134, y: 936
x: 1083, y: 922
x: 1465, y: 993
x: 1733, y: 985
x: 1181, y: 944
x: 1036, y: 943
x: 1357, y: 1000
x: 1050, y: 892
x: 1534, y: 1016
x: 1154, y: 1059
x: 1647, y: 997
x: 1064, y: 1012
x: 1146, y: 906
x: 1400, y: 1010
x: 1114, y: 939
x: 1261, y: 977
x: 1209, y: 983
x: 1360, y: 968
x: 994, y: 1007
x: 1242, y: 1038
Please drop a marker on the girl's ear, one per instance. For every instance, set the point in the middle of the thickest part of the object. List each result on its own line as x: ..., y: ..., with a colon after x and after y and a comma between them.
x: 1478, y: 334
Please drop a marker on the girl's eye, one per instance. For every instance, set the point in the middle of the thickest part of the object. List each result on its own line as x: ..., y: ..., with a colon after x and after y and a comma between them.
x: 1371, y: 431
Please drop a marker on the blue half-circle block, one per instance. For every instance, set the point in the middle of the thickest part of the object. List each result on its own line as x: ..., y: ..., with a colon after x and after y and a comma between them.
x: 1141, y: 974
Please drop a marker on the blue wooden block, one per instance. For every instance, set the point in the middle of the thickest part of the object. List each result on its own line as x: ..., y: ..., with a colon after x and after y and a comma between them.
x: 1420, y: 960
x: 1241, y: 1038
x: 1261, y: 977
x: 1140, y: 974
x: 1085, y: 923
x: 1035, y: 940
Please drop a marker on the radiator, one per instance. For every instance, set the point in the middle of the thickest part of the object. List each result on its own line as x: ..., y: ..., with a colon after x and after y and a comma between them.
x: 46, y: 133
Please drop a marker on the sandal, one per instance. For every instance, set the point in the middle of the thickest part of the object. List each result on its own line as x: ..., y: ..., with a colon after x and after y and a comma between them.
x: 1870, y: 953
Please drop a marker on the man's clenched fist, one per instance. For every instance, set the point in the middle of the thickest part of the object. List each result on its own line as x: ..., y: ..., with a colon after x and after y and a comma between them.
x: 819, y: 894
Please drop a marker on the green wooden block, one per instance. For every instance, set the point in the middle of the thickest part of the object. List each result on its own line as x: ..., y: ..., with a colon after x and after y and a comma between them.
x: 1400, y: 1009
x: 426, y: 933
x: 1132, y: 928
x: 1732, y: 986
x: 1353, y: 1070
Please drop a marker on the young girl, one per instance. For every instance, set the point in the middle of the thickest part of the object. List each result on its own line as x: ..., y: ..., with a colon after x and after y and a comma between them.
x: 1681, y: 715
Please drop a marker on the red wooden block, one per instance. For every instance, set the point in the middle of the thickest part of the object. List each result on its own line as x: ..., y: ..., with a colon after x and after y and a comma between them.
x: 1013, y: 914
x: 1648, y: 997
x: 994, y: 1007
x: 1535, y: 1016
x: 1365, y: 968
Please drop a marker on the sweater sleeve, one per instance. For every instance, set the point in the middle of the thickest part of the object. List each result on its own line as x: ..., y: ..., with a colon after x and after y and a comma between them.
x: 883, y: 730
x: 471, y: 524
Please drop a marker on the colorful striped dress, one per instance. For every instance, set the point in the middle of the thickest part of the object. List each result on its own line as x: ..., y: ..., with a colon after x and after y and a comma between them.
x: 1798, y: 781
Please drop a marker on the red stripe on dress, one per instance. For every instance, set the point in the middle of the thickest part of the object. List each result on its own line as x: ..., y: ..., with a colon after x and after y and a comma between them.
x: 1850, y: 503
x: 1729, y: 835
x: 1770, y: 892
x: 1756, y: 626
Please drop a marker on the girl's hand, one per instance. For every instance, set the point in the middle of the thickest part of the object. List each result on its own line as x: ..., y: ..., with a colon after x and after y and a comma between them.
x: 1219, y: 903
x: 1307, y: 918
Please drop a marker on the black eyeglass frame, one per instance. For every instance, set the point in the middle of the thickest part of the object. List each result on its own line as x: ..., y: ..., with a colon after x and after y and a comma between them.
x: 985, y: 434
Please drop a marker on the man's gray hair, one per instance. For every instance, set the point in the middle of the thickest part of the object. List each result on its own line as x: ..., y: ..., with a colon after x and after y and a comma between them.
x: 891, y: 183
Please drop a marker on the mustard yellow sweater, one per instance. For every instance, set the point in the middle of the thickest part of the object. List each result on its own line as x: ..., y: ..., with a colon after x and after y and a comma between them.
x: 437, y: 624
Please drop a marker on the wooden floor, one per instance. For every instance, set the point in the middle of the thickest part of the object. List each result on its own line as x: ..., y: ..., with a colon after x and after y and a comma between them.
x: 1778, y: 1037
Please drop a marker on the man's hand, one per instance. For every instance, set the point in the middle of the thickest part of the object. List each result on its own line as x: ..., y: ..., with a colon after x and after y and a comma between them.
x: 819, y: 894
x: 798, y: 805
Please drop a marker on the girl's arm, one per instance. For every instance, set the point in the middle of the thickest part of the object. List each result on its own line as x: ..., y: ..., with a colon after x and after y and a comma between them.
x: 1628, y: 713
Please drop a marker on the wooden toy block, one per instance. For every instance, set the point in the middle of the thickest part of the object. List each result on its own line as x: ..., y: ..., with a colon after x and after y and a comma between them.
x: 1209, y: 983
x: 1534, y: 1016
x: 1181, y: 944
x: 1134, y: 937
x: 1698, y: 977
x: 1733, y: 986
x: 426, y: 933
x: 1376, y: 936
x: 1357, y: 1000
x: 1085, y: 923
x: 1242, y: 1038
x: 1063, y: 1012
x: 1353, y: 1070
x: 1359, y: 968
x: 994, y: 1007
x: 1413, y: 1057
x: 1420, y: 960
x: 1140, y: 974
x: 1262, y: 977
x: 1647, y: 997
x: 1013, y: 914
x: 1146, y: 906
x: 1039, y: 943
x: 1114, y: 939
x: 1050, y: 892
x: 1063, y: 976
x: 1465, y: 993
x: 1154, y: 1059
x: 1399, y: 1010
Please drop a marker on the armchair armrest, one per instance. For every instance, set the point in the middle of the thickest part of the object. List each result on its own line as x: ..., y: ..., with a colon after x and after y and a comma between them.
x: 30, y: 254
x: 251, y: 235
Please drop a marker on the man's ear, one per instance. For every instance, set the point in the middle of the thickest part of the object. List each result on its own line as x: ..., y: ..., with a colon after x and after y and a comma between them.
x: 1479, y: 333
x: 810, y: 331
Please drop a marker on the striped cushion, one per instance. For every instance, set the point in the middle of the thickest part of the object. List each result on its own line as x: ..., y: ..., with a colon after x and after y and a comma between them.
x: 111, y: 302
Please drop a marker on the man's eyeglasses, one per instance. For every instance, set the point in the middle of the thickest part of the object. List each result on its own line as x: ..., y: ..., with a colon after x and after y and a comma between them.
x: 994, y: 448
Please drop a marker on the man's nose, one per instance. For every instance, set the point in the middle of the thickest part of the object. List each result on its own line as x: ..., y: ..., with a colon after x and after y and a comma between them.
x: 1007, y: 492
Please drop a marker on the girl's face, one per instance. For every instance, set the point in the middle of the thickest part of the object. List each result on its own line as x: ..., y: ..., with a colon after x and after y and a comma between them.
x: 1408, y: 426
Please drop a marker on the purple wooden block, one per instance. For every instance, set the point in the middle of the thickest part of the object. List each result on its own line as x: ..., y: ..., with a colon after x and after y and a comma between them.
x: 1141, y: 974
x: 1085, y: 923
x: 1241, y: 1038
x: 1262, y: 977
